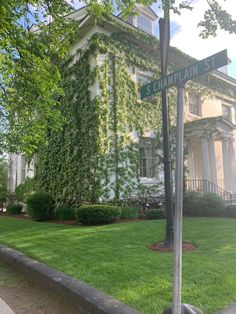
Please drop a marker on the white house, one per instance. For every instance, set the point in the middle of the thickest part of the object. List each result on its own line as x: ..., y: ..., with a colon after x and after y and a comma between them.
x: 210, y: 111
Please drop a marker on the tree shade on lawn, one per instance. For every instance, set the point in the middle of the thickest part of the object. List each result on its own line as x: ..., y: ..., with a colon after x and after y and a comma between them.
x: 116, y: 259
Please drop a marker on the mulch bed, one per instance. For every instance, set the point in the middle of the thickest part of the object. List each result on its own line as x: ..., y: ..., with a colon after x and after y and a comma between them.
x: 160, y: 247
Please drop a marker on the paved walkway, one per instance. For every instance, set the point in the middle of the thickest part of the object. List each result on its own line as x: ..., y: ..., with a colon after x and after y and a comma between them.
x: 4, y: 308
x: 229, y: 310
x: 19, y: 295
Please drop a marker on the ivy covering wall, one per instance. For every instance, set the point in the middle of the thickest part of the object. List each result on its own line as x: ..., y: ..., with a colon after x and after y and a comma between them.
x: 96, y: 154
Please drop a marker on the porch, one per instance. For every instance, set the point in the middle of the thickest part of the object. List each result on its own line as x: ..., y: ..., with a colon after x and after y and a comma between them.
x: 211, y: 159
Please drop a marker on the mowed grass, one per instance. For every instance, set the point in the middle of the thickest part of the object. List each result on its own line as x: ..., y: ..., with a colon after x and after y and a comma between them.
x: 116, y: 259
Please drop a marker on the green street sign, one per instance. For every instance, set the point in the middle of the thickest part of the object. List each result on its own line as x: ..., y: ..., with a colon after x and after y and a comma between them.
x: 185, y: 74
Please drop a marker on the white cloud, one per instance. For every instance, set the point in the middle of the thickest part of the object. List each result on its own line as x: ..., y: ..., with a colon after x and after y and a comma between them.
x: 187, y: 37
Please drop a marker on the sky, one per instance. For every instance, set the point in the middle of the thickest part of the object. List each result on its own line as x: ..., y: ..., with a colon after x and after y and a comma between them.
x: 185, y: 33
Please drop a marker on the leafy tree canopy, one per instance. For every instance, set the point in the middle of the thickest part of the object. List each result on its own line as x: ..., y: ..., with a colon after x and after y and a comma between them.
x: 215, y: 16
x: 30, y: 88
x: 29, y: 77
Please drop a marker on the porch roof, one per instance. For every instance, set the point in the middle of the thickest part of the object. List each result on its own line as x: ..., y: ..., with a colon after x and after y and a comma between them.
x: 218, y: 127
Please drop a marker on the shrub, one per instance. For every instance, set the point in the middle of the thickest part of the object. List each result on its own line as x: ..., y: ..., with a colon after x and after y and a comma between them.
x: 198, y: 204
x: 213, y: 204
x: 230, y: 211
x: 191, y: 202
x: 40, y: 206
x: 65, y: 212
x: 97, y: 214
x: 24, y: 189
x: 155, y: 214
x: 129, y: 212
x: 14, y: 209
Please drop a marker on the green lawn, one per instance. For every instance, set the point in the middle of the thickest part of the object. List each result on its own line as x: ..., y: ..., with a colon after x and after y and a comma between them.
x: 116, y: 260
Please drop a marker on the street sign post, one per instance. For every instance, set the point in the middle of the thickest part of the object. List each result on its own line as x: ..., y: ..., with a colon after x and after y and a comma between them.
x: 185, y: 74
x: 178, y: 79
x: 164, y: 26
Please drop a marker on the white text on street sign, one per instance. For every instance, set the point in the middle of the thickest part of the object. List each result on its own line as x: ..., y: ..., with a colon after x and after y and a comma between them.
x: 185, y: 74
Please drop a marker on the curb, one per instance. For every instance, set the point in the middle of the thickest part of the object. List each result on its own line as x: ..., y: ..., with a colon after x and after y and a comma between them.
x: 4, y: 308
x: 87, y: 299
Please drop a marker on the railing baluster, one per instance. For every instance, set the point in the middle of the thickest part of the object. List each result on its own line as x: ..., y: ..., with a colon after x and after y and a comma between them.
x: 206, y: 186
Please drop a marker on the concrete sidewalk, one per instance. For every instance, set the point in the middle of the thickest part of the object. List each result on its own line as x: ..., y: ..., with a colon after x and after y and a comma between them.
x: 229, y: 310
x: 4, y: 308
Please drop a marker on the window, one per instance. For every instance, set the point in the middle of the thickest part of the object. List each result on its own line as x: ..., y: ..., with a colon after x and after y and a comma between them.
x: 226, y: 112
x: 195, y: 104
x: 144, y: 23
x: 147, y: 157
x: 23, y: 168
x: 143, y: 77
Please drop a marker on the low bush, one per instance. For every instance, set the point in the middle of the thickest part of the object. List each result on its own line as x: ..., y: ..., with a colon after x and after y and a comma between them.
x: 65, y: 212
x: 14, y: 209
x: 230, y: 211
x: 24, y: 189
x: 197, y: 204
x: 191, y: 202
x: 40, y: 206
x: 129, y: 212
x: 97, y: 214
x: 155, y: 214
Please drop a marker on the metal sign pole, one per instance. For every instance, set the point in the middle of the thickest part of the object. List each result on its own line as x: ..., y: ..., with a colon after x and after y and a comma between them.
x: 164, y: 25
x: 176, y: 79
x: 178, y: 203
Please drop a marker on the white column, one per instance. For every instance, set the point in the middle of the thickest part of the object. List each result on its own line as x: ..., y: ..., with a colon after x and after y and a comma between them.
x: 226, y: 165
x: 232, y: 165
x: 191, y: 172
x: 205, y: 159
x: 212, y: 160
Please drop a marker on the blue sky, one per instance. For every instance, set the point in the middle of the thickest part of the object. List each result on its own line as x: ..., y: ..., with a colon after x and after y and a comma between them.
x: 232, y: 68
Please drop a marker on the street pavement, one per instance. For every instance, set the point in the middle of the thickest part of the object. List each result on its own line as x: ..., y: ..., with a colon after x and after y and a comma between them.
x: 4, y: 308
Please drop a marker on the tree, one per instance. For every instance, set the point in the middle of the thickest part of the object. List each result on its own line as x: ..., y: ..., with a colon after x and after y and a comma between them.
x: 30, y: 79
x: 29, y: 76
x: 214, y: 18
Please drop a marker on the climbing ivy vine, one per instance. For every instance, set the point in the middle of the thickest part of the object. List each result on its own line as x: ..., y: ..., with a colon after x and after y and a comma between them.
x: 95, y: 156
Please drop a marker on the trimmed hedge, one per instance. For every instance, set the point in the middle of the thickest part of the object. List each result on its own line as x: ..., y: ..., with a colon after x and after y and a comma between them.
x: 40, y: 206
x: 97, y: 214
x: 230, y: 211
x: 14, y: 209
x: 129, y: 212
x: 197, y: 204
x: 155, y: 214
x: 65, y: 212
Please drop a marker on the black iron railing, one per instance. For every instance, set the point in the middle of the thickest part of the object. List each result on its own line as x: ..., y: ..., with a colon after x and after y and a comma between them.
x: 206, y: 186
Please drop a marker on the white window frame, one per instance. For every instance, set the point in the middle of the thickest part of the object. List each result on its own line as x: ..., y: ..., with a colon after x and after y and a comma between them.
x: 23, y: 167
x: 229, y: 111
x: 143, y: 27
x: 195, y: 105
x: 148, y: 160
x: 143, y: 77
